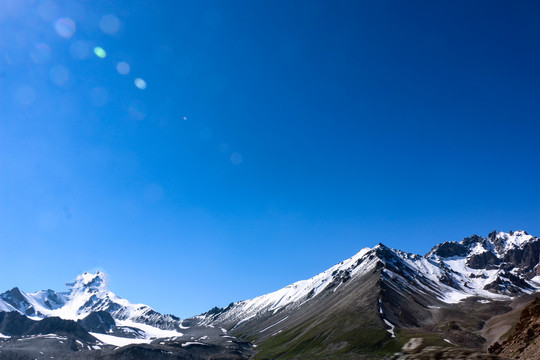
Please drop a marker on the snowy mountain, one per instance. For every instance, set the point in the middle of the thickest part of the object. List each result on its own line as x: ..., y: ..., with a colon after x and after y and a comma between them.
x: 496, y: 267
x: 391, y: 290
x: 89, y: 294
x: 90, y: 322
x: 368, y: 303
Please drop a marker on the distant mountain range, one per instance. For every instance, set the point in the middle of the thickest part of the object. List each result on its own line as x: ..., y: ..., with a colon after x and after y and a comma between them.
x: 465, y: 293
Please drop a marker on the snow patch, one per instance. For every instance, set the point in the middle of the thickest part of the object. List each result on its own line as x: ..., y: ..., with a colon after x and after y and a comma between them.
x: 192, y: 343
x: 263, y: 330
x: 118, y: 341
x: 392, y: 327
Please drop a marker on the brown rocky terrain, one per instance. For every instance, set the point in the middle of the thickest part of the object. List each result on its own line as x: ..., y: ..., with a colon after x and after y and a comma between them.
x: 416, y: 349
x: 524, y: 342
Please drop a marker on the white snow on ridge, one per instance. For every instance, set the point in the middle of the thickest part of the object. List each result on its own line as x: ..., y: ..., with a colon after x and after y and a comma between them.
x: 450, y: 279
x: 150, y: 331
x: 89, y: 293
x: 392, y: 327
x: 296, y: 293
x: 118, y: 341
x: 471, y: 281
x: 6, y: 307
x: 513, y: 240
x: 274, y: 324
x: 192, y: 343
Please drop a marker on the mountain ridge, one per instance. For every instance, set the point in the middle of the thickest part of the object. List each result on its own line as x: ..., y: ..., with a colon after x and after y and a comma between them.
x: 369, y: 303
x: 475, y: 252
x: 391, y: 292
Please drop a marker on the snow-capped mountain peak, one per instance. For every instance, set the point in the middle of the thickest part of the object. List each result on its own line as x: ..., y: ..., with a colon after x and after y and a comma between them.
x: 496, y: 267
x: 89, y: 294
x: 511, y: 240
x: 97, y: 283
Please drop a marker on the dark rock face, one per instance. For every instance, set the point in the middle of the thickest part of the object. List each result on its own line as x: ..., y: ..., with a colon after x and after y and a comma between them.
x: 381, y: 297
x: 524, y: 342
x: 508, y: 284
x: 449, y: 249
x: 469, y: 242
x: 15, y: 298
x: 516, y: 254
x: 525, y: 258
x: 179, y: 351
x: 98, y: 322
x: 483, y: 260
x: 15, y: 324
x: 53, y: 300
x: 66, y: 339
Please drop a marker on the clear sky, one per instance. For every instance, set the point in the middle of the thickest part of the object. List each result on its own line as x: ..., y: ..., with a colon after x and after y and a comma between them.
x: 203, y: 152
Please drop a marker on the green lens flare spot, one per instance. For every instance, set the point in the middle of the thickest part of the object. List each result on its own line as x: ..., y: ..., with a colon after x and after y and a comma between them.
x: 100, y: 52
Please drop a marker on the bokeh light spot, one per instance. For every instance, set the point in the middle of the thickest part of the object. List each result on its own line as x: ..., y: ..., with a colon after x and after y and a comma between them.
x: 137, y: 110
x: 41, y: 54
x: 140, y: 83
x: 123, y: 68
x: 59, y: 75
x: 65, y: 27
x: 109, y: 24
x: 79, y: 50
x: 100, y: 52
x: 25, y: 95
x: 48, y: 10
x: 185, y: 118
x: 236, y: 158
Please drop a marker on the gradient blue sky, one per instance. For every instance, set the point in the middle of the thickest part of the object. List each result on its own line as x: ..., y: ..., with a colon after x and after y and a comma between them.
x: 312, y: 130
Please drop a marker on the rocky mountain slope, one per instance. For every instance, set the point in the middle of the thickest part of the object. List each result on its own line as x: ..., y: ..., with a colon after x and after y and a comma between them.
x: 524, y: 341
x: 88, y: 294
x: 381, y: 296
x: 89, y: 322
x: 367, y: 306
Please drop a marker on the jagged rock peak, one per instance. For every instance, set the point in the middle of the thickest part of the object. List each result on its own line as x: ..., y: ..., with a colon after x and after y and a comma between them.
x: 503, y: 241
x: 497, y: 242
x: 98, y: 282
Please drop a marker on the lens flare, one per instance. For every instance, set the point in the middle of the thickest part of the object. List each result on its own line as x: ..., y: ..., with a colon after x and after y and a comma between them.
x: 137, y: 111
x: 48, y: 10
x: 100, y: 52
x: 41, y: 54
x: 65, y: 27
x: 109, y: 24
x: 140, y: 83
x: 236, y: 158
x: 123, y: 68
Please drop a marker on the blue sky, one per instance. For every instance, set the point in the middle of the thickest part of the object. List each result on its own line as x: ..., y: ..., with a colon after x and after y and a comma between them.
x: 267, y: 140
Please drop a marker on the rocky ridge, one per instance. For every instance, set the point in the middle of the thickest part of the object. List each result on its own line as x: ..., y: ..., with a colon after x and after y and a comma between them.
x: 524, y: 342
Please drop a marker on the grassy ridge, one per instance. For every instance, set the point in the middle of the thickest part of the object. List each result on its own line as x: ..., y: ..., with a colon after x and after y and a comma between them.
x: 320, y: 341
